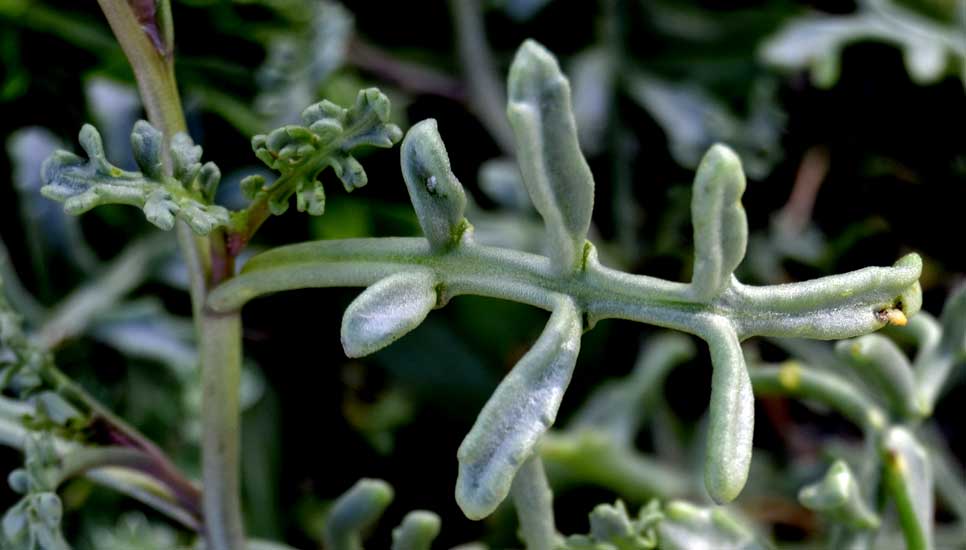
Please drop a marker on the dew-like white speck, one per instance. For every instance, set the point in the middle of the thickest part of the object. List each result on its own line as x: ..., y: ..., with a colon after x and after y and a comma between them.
x: 431, y: 184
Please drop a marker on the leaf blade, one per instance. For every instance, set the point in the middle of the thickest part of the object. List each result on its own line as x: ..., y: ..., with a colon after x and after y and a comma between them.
x: 554, y: 170
x: 517, y: 414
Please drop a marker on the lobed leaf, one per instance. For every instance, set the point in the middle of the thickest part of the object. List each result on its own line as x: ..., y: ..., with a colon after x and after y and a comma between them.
x: 355, y: 511
x: 326, y: 138
x: 720, y: 226
x: 435, y: 192
x: 612, y: 528
x: 518, y: 413
x: 838, y: 496
x: 554, y: 170
x: 84, y: 184
x: 386, y: 311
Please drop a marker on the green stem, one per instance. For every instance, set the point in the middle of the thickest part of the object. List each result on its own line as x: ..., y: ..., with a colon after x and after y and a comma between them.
x: 601, y: 292
x: 827, y: 388
x: 533, y: 500
x: 219, y: 335
x: 153, y: 70
x: 221, y: 416
x: 118, y: 432
x: 486, y: 91
x: 141, y: 486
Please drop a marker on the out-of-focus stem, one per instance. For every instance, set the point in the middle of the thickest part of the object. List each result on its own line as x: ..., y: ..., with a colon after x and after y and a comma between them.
x: 487, y: 95
x: 534, y: 503
x: 221, y: 419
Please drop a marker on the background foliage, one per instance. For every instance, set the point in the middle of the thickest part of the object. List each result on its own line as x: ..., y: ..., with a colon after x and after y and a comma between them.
x: 867, y: 128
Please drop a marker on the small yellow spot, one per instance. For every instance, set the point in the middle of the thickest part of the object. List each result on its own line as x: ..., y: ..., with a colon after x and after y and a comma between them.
x: 896, y: 462
x: 896, y: 317
x: 876, y: 419
x: 790, y: 375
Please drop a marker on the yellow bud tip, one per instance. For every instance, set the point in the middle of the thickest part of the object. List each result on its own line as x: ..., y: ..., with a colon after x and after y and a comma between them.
x: 896, y: 317
x: 790, y: 375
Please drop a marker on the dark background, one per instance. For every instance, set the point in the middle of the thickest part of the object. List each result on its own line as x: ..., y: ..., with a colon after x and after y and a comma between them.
x: 896, y: 154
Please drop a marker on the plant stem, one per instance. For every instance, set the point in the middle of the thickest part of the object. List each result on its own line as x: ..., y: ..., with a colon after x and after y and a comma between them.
x: 219, y: 335
x: 601, y: 292
x: 153, y: 70
x: 141, y: 486
x: 486, y: 91
x: 533, y: 500
x: 221, y: 416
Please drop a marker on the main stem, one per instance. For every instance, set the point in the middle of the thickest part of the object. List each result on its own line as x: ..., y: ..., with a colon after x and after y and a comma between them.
x: 221, y: 375
x: 219, y: 334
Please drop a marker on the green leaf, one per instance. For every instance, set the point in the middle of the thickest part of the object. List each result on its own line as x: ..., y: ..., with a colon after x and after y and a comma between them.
x: 816, y: 42
x: 611, y: 528
x: 953, y: 322
x: 355, y: 511
x: 518, y: 413
x: 838, y: 306
x: 720, y: 226
x: 386, y: 311
x: 416, y: 532
x: 829, y: 389
x: 82, y: 185
x: 688, y: 527
x: 936, y: 359
x: 838, y: 496
x: 327, y: 136
x: 554, y: 170
x: 908, y: 479
x: 435, y: 192
x: 731, y: 422
x: 882, y: 366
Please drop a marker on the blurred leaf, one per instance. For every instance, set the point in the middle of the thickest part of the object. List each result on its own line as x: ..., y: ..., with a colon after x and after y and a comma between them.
x: 816, y: 42
x: 693, y: 121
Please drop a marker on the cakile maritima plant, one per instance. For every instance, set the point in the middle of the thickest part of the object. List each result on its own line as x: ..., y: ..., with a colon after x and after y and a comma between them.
x: 406, y: 278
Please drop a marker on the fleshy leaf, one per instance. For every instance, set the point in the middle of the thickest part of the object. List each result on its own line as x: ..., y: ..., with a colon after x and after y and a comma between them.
x: 554, y: 170
x: 435, y: 192
x: 934, y: 363
x: 355, y: 511
x: 82, y: 185
x: 838, y: 306
x: 816, y: 42
x: 882, y: 366
x: 386, y: 311
x: 327, y: 136
x: 838, y: 496
x: 688, y: 527
x: 909, y: 480
x: 416, y: 532
x: 829, y: 389
x: 720, y: 226
x: 731, y: 423
x: 521, y: 409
